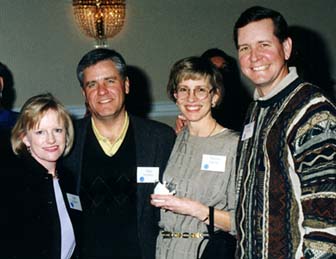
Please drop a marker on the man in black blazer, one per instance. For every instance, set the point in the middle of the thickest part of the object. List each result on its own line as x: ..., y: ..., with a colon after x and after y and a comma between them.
x: 116, y: 159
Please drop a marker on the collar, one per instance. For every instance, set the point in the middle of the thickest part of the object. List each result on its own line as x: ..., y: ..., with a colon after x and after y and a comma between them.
x: 287, y: 80
x: 33, y: 167
x: 111, y: 148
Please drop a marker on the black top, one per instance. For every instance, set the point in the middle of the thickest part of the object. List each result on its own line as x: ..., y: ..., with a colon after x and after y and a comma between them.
x: 6, y: 153
x: 153, y: 144
x: 29, y: 220
x: 108, y: 195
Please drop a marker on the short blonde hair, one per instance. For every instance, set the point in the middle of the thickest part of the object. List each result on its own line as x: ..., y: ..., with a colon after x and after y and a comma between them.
x: 30, y: 116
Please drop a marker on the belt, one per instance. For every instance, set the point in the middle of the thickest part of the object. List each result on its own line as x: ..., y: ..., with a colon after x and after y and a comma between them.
x: 168, y: 234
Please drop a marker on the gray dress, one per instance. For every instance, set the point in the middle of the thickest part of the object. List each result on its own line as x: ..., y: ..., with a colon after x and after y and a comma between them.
x: 210, y: 187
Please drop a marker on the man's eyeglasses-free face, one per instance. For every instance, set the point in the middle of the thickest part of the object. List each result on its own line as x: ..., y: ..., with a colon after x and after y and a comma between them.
x: 200, y: 92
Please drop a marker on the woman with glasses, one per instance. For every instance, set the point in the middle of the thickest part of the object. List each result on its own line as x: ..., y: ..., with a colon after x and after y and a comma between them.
x: 201, y: 168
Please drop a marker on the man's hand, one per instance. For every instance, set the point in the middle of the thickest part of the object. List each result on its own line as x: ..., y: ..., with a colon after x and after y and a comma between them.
x: 180, y: 123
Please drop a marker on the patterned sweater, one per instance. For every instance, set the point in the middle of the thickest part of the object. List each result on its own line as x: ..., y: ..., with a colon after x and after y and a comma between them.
x: 286, y: 175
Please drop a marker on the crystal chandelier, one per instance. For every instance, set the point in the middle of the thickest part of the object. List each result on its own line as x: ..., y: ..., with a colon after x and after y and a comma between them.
x: 100, y: 19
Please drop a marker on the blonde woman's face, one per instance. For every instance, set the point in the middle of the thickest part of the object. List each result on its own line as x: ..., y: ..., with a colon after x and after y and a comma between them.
x: 47, y: 140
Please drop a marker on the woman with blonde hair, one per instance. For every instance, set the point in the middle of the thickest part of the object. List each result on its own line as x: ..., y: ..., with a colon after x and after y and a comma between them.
x: 38, y: 202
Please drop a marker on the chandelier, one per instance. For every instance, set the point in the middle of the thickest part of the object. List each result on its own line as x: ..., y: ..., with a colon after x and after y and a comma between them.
x: 100, y: 19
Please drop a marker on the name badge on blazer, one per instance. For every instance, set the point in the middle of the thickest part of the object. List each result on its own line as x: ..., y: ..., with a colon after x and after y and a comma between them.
x: 74, y: 202
x: 213, y: 163
x: 147, y: 174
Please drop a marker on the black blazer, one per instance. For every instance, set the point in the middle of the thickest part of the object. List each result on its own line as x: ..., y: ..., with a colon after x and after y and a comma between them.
x: 29, y: 220
x: 154, y: 142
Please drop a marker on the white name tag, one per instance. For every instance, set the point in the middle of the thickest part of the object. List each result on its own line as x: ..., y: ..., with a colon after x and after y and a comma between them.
x: 248, y: 131
x: 147, y: 174
x: 213, y: 163
x: 74, y: 201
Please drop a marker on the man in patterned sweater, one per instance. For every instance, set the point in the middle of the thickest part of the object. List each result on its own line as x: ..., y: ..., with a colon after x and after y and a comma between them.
x: 286, y: 204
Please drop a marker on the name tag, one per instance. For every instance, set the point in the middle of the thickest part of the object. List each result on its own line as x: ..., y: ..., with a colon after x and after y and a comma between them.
x: 248, y: 131
x: 74, y: 202
x: 147, y: 174
x: 213, y: 163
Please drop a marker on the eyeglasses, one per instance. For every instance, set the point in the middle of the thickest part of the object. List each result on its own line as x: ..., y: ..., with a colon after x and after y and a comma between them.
x: 199, y: 92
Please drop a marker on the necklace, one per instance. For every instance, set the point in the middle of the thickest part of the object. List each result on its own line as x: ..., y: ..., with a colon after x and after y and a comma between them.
x: 212, y: 131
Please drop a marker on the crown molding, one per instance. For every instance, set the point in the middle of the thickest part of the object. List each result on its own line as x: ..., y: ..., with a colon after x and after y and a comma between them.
x: 158, y: 110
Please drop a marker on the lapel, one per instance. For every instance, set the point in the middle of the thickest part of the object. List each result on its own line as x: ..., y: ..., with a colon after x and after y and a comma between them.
x: 74, y: 214
x: 81, y: 128
x: 145, y: 156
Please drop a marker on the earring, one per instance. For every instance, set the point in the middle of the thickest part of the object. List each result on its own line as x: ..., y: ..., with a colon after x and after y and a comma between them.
x: 28, y: 149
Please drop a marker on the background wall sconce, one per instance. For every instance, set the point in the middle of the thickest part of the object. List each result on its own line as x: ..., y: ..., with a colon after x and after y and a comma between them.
x: 100, y: 19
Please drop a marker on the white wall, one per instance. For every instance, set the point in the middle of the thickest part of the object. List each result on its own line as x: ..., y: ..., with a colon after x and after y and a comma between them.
x: 41, y: 44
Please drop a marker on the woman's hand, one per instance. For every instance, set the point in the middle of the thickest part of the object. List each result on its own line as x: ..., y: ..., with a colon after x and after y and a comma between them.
x: 178, y: 205
x: 192, y: 208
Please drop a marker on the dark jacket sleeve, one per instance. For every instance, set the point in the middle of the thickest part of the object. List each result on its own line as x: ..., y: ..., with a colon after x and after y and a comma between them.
x: 154, y: 142
x: 72, y: 163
